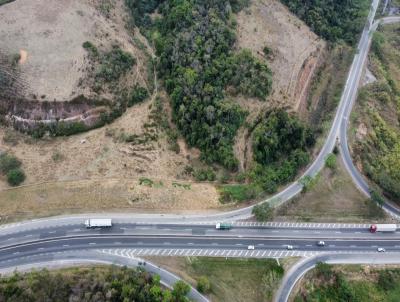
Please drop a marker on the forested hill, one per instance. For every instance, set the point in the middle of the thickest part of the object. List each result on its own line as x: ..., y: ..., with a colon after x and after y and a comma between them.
x: 194, y: 42
x: 332, y: 19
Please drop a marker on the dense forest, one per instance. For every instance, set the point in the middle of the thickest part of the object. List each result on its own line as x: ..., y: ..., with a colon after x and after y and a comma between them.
x: 194, y: 41
x: 111, y: 284
x: 280, y: 144
x: 332, y: 20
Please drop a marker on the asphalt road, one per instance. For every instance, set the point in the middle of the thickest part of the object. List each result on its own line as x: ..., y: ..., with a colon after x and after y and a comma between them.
x: 193, y: 237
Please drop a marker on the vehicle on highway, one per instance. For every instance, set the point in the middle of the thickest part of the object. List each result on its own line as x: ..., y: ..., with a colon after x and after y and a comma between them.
x: 98, y: 223
x: 383, y: 228
x: 223, y: 226
x: 290, y: 247
x: 320, y: 243
x: 250, y: 247
x: 381, y: 250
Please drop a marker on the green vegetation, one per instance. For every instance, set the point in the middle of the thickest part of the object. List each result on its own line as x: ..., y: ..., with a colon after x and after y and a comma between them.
x: 91, y: 48
x: 330, y: 161
x: 238, y: 192
x: 194, y: 41
x: 8, y: 162
x: 333, y: 20
x: 263, y: 212
x: 89, y: 284
x: 5, y: 2
x: 114, y: 64
x: 280, y: 144
x: 379, y: 150
x: 10, y: 166
x: 235, y: 280
x: 309, y: 182
x: 15, y: 177
x: 203, y: 285
x: 138, y: 95
x: 204, y: 174
x: 327, y: 283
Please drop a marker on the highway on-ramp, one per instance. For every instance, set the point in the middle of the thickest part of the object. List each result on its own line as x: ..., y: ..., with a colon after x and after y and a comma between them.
x: 355, y: 174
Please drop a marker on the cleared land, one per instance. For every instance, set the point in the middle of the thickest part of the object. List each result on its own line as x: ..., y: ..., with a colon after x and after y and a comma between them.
x: 50, y: 35
x: 349, y: 283
x: 334, y: 198
x: 231, y: 279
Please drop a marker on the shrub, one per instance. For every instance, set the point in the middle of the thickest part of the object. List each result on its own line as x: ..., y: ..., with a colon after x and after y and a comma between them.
x: 114, y: 64
x: 263, y: 212
x: 203, y: 285
x: 377, y: 198
x: 205, y: 174
x: 15, y: 177
x: 237, y: 193
x: 138, y: 95
x: 90, y: 48
x: 330, y: 161
x: 8, y: 162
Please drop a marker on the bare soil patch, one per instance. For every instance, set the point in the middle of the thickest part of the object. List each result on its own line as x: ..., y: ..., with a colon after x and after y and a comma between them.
x: 51, y: 33
x: 295, y: 49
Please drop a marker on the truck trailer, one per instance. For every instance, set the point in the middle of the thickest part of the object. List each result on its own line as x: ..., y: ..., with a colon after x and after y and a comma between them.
x: 98, y: 223
x: 382, y: 228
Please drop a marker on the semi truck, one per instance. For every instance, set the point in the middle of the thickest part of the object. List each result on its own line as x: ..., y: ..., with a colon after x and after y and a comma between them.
x: 223, y: 226
x: 98, y: 223
x: 382, y: 228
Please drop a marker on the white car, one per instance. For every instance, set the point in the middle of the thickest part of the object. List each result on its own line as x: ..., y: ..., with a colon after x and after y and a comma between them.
x: 250, y: 247
x: 321, y: 243
x: 381, y: 250
x: 290, y: 247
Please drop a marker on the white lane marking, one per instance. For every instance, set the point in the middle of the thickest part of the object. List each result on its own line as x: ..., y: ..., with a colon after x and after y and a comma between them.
x: 92, y: 243
x: 65, y: 245
x: 167, y: 243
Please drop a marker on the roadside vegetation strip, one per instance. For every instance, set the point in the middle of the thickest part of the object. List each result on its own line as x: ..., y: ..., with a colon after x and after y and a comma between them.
x: 378, y: 153
x: 76, y: 283
x: 350, y: 282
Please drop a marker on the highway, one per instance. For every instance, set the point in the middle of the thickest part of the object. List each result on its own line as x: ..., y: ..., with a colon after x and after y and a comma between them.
x: 185, y: 237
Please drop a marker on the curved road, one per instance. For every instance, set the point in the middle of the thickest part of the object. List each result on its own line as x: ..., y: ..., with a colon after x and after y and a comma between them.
x: 89, y: 257
x: 302, y: 267
x: 355, y: 174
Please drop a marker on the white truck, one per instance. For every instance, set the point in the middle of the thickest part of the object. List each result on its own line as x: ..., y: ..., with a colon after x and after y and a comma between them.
x: 383, y: 228
x: 98, y: 223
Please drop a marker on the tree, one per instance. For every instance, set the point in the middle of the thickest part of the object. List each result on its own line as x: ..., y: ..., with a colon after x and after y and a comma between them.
x: 203, y: 285
x: 8, y: 162
x: 15, y: 177
x: 263, y: 212
x: 377, y: 198
x: 179, y: 292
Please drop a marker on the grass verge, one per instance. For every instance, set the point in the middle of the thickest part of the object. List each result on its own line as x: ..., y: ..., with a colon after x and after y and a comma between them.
x: 232, y: 279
